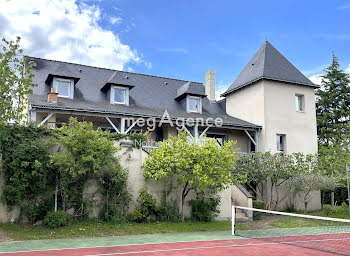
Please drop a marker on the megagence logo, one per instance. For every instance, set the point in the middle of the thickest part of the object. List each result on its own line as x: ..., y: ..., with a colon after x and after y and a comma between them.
x: 179, y: 123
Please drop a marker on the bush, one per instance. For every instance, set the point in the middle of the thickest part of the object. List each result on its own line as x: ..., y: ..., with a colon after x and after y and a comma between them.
x: 168, y: 212
x: 290, y: 207
x: 327, y: 209
x: 147, y: 209
x: 205, y: 209
x: 258, y: 204
x: 55, y: 219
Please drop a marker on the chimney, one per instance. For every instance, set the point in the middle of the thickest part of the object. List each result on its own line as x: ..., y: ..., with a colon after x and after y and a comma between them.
x: 210, y: 84
x: 52, y: 96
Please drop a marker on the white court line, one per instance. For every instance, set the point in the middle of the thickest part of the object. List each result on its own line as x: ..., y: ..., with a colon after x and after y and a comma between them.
x: 117, y: 245
x: 218, y: 246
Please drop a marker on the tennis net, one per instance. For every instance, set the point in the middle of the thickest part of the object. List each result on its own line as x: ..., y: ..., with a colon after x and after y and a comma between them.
x: 323, y: 234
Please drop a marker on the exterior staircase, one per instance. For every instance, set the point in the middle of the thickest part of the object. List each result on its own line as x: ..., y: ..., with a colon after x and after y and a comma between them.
x: 241, y: 197
x: 241, y: 216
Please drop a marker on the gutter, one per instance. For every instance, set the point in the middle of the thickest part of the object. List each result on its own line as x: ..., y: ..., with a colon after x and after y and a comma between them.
x: 130, y: 114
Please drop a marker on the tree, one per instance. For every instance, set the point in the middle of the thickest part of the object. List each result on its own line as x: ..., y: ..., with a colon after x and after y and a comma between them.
x: 333, y: 105
x: 308, y: 185
x: 15, y: 81
x: 194, y: 165
x: 84, y: 153
x: 279, y: 168
x: 256, y: 176
x: 332, y: 162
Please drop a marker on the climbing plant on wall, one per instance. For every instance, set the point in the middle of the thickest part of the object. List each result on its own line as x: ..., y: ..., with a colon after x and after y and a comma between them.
x: 83, y: 153
x: 41, y: 166
x: 24, y: 162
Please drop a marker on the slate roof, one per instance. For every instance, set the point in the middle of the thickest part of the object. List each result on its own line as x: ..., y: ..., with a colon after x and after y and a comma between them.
x: 192, y: 89
x: 150, y: 96
x: 118, y: 78
x: 268, y: 63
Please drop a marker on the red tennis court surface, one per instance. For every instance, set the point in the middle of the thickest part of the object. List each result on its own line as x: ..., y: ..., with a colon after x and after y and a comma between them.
x: 330, y: 244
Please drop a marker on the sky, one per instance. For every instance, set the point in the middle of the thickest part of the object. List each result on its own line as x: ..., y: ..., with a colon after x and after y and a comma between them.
x: 183, y: 38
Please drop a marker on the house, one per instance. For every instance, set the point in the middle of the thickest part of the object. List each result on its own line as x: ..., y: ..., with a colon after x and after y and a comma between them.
x: 269, y: 107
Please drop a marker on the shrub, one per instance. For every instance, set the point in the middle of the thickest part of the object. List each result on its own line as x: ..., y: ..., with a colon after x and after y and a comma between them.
x: 55, y: 219
x: 147, y: 208
x: 344, y: 206
x: 258, y: 204
x: 168, y: 212
x: 327, y: 209
x: 205, y: 209
x: 290, y: 207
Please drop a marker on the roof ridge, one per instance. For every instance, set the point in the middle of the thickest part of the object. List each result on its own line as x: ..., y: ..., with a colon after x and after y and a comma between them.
x: 264, y: 49
x: 128, y: 72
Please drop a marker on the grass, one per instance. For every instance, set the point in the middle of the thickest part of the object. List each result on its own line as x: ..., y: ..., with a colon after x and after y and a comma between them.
x: 294, y: 222
x: 94, y: 228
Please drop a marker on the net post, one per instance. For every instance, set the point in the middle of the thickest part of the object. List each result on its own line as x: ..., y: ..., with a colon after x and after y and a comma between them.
x: 233, y: 219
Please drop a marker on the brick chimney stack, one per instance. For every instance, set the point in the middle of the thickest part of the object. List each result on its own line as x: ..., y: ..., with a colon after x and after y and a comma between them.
x: 52, y: 96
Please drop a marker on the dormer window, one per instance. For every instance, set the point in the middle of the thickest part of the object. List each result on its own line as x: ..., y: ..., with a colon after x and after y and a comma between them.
x: 194, y: 104
x: 64, y: 87
x: 119, y: 95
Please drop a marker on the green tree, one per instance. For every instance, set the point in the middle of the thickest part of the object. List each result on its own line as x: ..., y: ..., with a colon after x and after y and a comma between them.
x: 333, y: 105
x: 194, y: 165
x: 15, y: 81
x: 84, y: 153
x: 332, y: 162
x: 256, y: 176
x: 279, y: 168
x: 308, y: 185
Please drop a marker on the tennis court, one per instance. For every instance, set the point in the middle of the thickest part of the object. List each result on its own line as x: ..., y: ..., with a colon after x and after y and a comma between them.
x: 331, y: 244
x: 321, y: 236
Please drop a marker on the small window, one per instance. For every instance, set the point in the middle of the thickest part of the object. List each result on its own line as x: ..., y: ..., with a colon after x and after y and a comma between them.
x: 281, y: 142
x: 64, y: 87
x: 299, y: 102
x: 119, y: 95
x: 194, y: 104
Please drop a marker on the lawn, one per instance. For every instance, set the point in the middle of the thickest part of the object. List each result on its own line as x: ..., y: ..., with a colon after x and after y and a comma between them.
x: 293, y: 222
x: 97, y: 229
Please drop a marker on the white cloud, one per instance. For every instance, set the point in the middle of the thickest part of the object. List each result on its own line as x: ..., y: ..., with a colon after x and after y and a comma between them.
x: 115, y: 20
x: 174, y: 50
x: 64, y: 30
x: 316, y: 79
x: 345, y: 6
x: 347, y: 70
x: 221, y: 87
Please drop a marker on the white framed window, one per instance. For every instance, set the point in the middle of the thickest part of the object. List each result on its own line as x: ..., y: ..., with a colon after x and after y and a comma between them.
x: 64, y: 87
x: 281, y: 143
x: 119, y: 95
x: 299, y: 103
x: 194, y: 104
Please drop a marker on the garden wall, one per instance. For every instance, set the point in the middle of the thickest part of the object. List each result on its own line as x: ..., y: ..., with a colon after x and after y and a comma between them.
x: 131, y: 159
x: 290, y: 198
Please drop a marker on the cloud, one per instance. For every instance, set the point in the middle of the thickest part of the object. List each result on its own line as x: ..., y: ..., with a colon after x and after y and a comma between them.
x: 64, y: 30
x: 328, y: 36
x: 347, y: 70
x: 316, y: 79
x: 174, y: 50
x: 221, y: 87
x: 345, y: 6
x: 115, y: 20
